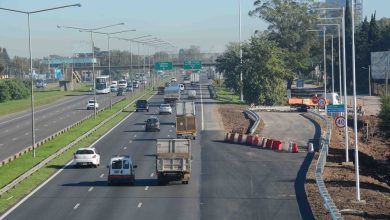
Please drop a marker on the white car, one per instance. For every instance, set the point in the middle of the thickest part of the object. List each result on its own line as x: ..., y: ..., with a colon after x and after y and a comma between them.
x: 173, y: 79
x: 91, y: 104
x: 86, y: 157
x: 114, y: 83
x: 165, y: 109
x: 122, y: 84
x: 121, y: 170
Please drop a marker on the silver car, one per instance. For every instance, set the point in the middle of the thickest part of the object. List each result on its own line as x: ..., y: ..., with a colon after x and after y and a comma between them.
x: 165, y: 109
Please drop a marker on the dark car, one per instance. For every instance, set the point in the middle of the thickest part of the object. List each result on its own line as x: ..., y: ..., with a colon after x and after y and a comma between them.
x: 142, y: 105
x: 121, y: 91
x: 160, y: 90
x: 152, y: 124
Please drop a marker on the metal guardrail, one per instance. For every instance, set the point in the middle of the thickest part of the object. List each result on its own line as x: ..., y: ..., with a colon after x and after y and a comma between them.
x: 328, y: 202
x: 255, y: 118
x: 67, y: 147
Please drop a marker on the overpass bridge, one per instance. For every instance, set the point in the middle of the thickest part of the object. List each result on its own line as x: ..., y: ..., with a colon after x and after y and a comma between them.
x: 136, y: 66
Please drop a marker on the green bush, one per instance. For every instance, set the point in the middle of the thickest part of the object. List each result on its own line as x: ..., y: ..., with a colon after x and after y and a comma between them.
x: 384, y: 115
x: 17, y: 89
x: 4, y: 92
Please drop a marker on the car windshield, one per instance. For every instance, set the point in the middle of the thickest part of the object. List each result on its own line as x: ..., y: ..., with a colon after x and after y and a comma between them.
x: 91, y: 101
x: 85, y: 152
x: 116, y: 164
x: 152, y: 120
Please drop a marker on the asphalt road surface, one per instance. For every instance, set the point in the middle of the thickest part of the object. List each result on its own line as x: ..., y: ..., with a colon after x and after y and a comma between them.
x: 228, y: 181
x: 15, y: 130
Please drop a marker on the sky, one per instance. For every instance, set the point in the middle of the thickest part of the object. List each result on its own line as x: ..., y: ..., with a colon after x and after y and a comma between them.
x: 210, y: 24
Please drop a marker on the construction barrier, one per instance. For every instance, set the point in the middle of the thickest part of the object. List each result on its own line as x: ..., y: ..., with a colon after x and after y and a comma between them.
x: 263, y: 142
x: 295, y: 148
x: 255, y: 140
x: 277, y: 145
x: 241, y: 137
x: 249, y: 139
x: 268, y: 144
x: 310, y: 147
x: 227, y: 136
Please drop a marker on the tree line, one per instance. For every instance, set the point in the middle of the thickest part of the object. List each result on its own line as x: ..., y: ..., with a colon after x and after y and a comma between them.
x: 286, y: 50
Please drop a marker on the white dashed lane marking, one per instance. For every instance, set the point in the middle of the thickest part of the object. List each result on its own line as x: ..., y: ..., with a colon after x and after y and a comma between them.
x: 146, y: 187
x: 152, y: 174
x: 124, y: 148
x: 76, y: 206
x: 90, y: 189
x: 101, y: 176
x: 139, y: 205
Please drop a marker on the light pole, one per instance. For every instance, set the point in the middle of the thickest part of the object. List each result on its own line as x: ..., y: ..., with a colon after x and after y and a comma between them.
x: 239, y: 14
x: 344, y: 79
x: 30, y: 54
x: 91, y: 30
x: 354, y: 105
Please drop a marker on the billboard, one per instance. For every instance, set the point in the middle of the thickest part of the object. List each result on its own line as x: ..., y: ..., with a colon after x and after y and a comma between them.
x: 380, y: 65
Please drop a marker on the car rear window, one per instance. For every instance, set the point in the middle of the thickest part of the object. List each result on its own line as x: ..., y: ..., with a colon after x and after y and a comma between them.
x: 85, y: 152
x: 165, y: 105
x: 116, y: 164
x: 152, y: 120
x: 142, y: 102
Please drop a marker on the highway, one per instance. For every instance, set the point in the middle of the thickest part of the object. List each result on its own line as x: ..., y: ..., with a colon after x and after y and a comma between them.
x: 228, y: 181
x: 15, y: 130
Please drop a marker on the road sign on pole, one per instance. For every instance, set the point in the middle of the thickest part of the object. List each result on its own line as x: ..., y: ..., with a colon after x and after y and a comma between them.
x: 163, y: 66
x: 321, y: 102
x: 314, y: 99
x: 340, y: 121
x: 192, y: 65
x: 335, y: 108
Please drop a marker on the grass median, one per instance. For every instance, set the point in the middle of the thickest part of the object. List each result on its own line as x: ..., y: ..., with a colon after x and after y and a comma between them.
x: 19, y: 166
x: 225, y: 95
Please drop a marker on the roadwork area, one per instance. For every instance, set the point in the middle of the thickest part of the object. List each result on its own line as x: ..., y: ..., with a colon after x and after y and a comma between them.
x: 234, y: 119
x: 374, y: 154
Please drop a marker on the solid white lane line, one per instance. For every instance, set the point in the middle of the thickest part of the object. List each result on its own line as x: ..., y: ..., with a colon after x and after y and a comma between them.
x: 139, y: 205
x: 76, y: 206
x: 90, y: 189
x: 201, y: 104
x: 151, y: 175
x: 101, y: 176
x: 170, y: 130
x: 146, y: 187
x: 10, y: 198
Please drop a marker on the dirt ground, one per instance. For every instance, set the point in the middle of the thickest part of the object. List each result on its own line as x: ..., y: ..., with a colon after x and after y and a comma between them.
x: 340, y: 180
x: 374, y: 162
x: 234, y: 119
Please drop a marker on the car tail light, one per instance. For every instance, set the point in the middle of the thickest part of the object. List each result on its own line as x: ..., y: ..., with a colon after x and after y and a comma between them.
x: 94, y: 156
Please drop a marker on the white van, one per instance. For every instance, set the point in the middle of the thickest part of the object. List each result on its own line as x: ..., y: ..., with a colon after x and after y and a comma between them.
x: 122, y: 84
x: 121, y: 170
x: 114, y: 83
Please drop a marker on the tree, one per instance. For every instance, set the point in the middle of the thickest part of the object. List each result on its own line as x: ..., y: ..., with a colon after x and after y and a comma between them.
x: 265, y: 71
x: 228, y: 64
x: 384, y: 115
x: 287, y: 21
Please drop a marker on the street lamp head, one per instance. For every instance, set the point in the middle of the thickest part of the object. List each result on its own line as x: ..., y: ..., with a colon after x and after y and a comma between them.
x: 59, y: 26
x: 78, y: 5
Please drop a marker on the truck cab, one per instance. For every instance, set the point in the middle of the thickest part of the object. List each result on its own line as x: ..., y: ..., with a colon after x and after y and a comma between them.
x: 121, y: 170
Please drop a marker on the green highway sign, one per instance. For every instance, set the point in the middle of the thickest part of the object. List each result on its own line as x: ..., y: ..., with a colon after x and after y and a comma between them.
x: 163, y: 65
x: 335, y: 108
x: 192, y: 65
